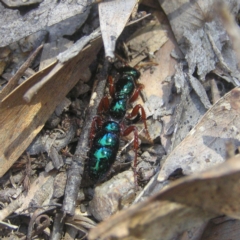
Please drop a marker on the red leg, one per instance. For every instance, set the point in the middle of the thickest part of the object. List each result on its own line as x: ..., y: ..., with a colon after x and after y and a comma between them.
x: 111, y: 86
x: 96, y: 123
x: 136, y: 93
x: 126, y: 132
x: 103, y: 105
x: 143, y: 117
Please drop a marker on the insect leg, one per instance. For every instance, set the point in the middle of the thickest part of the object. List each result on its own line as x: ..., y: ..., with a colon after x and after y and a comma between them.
x: 126, y: 132
x: 135, y: 113
x: 136, y: 93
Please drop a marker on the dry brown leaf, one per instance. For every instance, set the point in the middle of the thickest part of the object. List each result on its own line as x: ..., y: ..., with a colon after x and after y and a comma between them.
x: 153, y: 80
x: 146, y: 41
x: 151, y: 220
x: 205, y: 145
x: 20, y: 121
x: 222, y: 228
x: 187, y: 203
x: 215, y: 190
x: 154, y: 85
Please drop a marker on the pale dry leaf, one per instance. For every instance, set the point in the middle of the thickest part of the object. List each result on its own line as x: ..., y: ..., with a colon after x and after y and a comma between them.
x: 18, y: 3
x: 188, y: 112
x: 200, y: 91
x: 215, y: 190
x: 228, y: 228
x: 205, y: 145
x: 148, y: 40
x: 113, y: 16
x: 183, y: 14
x: 20, y: 121
x: 187, y: 203
x: 202, y: 37
x: 150, y: 220
x: 155, y: 85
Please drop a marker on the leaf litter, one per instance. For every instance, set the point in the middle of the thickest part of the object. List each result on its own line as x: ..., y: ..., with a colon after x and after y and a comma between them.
x: 191, y: 104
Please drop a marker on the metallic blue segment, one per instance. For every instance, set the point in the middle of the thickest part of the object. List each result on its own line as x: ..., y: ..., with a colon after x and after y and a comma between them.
x: 105, y: 144
x: 118, y: 105
x: 130, y: 71
x: 108, y: 139
x: 118, y: 108
x: 101, y: 155
x: 125, y: 87
x: 111, y: 126
x: 100, y: 161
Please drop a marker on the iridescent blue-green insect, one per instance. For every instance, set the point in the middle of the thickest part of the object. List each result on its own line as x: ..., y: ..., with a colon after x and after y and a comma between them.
x: 108, y: 126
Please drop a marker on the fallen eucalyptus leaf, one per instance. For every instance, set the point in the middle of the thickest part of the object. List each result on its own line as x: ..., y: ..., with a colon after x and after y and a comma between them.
x: 222, y: 228
x: 188, y: 202
x: 147, y: 40
x: 205, y: 145
x: 20, y: 121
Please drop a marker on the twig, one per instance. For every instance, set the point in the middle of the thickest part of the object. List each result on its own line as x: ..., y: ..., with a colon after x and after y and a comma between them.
x: 13, y: 82
x: 8, y: 225
x: 217, y: 52
x: 62, y: 58
x: 13, y: 206
x: 214, y: 90
x: 75, y: 172
x: 35, y: 88
x: 131, y: 141
x: 57, y: 227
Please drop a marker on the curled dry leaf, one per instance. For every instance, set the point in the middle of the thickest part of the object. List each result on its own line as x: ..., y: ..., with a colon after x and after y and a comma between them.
x: 202, y: 37
x: 205, y: 145
x: 20, y: 121
x: 186, y: 203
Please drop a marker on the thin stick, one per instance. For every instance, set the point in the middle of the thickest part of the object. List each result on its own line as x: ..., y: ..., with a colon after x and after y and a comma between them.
x: 13, y: 206
x: 131, y: 141
x: 13, y: 82
x: 75, y: 172
x: 35, y: 88
x: 62, y: 58
x: 8, y: 225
